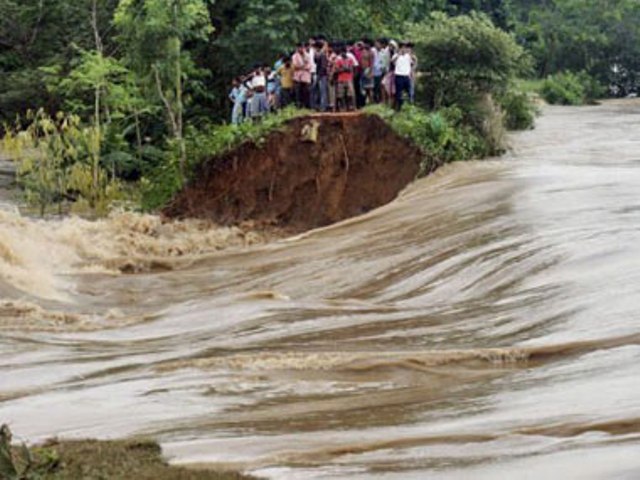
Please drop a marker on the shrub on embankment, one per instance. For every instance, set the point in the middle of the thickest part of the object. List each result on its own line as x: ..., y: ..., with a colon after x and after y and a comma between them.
x: 468, y: 75
x: 442, y: 135
x: 465, y: 58
x: 569, y: 88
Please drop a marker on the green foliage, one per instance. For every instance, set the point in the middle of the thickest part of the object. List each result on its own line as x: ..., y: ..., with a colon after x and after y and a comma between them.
x: 154, y: 34
x: 530, y: 86
x: 206, y: 143
x: 569, y: 88
x: 464, y: 58
x: 442, y: 135
x: 268, y: 28
x: 36, y: 33
x: 520, y: 110
x: 593, y: 89
x: 602, y: 38
x: 148, y: 28
x: 56, y: 162
x: 159, y: 186
x: 13, y: 464
x: 215, y: 140
x: 20, y: 463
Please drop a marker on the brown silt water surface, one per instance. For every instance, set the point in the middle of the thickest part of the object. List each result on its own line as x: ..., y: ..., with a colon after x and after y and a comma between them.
x: 483, y: 325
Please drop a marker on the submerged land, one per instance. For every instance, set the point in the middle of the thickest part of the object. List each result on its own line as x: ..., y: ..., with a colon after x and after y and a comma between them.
x: 92, y: 459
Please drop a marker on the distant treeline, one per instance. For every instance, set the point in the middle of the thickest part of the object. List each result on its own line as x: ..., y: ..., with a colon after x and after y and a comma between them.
x: 602, y: 38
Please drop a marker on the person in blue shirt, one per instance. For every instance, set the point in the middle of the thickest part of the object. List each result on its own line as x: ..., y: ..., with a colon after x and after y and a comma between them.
x: 238, y: 97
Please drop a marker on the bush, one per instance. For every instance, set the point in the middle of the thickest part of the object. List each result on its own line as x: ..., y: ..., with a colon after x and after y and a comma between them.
x: 593, y: 89
x: 568, y: 88
x: 442, y: 135
x: 59, y: 162
x: 519, y: 109
x: 464, y: 58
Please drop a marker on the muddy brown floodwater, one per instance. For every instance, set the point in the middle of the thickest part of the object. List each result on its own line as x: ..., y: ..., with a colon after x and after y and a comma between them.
x: 483, y: 325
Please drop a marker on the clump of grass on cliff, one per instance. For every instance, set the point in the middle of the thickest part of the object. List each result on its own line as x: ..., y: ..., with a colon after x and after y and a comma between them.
x: 204, y: 143
x: 443, y: 135
x: 90, y: 459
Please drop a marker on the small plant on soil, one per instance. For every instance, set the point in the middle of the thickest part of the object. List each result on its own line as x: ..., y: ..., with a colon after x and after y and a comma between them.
x: 18, y: 462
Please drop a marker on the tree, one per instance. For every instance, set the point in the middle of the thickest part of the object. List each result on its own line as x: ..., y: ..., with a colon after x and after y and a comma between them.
x: 601, y: 38
x: 153, y: 34
x: 43, y: 33
x: 465, y: 57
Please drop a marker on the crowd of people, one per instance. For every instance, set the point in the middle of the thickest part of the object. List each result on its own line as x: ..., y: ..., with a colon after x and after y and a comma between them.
x: 328, y: 77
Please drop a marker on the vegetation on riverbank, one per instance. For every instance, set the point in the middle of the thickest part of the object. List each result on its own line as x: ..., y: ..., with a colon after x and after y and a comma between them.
x: 568, y: 88
x: 91, y: 459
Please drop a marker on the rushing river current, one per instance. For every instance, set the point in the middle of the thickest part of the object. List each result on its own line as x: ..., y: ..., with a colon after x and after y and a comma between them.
x: 484, y: 325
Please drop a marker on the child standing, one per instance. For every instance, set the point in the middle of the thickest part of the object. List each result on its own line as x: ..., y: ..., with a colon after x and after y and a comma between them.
x: 238, y: 97
x: 260, y: 103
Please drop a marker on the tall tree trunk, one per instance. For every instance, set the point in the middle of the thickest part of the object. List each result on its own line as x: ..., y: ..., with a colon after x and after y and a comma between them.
x: 179, y: 104
x: 136, y: 118
x: 96, y: 141
x: 95, y: 148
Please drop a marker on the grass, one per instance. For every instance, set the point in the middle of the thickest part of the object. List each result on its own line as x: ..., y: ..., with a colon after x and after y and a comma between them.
x: 529, y: 85
x: 95, y: 460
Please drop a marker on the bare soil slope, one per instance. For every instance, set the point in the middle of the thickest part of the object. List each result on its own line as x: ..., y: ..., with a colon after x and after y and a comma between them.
x: 317, y: 170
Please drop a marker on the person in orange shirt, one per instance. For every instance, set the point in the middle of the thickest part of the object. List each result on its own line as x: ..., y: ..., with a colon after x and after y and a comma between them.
x: 344, y: 70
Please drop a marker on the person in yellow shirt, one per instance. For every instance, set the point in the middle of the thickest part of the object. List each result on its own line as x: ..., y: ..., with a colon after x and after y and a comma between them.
x: 286, y: 83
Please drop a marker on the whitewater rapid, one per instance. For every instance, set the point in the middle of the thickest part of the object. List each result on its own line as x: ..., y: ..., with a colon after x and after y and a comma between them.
x: 483, y: 325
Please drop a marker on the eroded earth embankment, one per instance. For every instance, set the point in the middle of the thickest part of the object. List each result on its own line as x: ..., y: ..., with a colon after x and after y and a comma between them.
x: 316, y: 170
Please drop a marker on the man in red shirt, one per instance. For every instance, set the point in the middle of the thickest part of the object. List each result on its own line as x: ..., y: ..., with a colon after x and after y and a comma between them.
x: 344, y: 71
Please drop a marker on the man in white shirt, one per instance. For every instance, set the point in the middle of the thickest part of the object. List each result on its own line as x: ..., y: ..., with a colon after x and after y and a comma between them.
x: 403, y: 62
x: 260, y: 102
x: 313, y: 88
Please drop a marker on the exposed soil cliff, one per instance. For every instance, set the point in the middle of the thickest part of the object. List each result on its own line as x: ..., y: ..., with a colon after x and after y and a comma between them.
x: 317, y: 170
